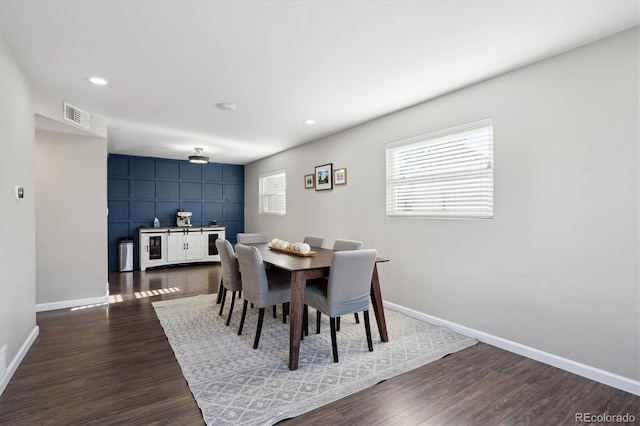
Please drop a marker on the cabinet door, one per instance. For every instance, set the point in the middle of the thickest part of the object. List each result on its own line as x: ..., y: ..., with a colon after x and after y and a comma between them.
x: 193, y: 245
x: 210, y: 251
x: 152, y: 250
x: 176, y: 247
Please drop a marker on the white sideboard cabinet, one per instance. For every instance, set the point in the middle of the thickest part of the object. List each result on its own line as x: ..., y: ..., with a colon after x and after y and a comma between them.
x: 173, y: 245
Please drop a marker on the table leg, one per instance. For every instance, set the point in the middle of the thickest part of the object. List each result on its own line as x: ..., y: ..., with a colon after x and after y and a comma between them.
x: 378, y: 310
x: 298, y: 283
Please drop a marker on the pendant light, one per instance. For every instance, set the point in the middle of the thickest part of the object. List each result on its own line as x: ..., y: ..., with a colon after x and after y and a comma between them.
x: 199, y: 157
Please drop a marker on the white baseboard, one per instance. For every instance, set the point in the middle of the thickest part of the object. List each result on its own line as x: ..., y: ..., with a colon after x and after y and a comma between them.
x: 71, y: 303
x: 4, y: 381
x: 593, y: 373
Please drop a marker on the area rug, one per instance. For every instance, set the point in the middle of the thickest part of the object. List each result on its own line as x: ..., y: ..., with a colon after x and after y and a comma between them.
x: 234, y: 384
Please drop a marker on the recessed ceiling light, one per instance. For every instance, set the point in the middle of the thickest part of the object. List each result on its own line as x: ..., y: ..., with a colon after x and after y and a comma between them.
x: 98, y: 81
x: 226, y: 106
x: 309, y: 122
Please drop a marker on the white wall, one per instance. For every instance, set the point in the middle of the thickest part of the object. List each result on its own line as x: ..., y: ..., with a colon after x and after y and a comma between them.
x: 71, y: 225
x: 557, y: 269
x: 17, y: 217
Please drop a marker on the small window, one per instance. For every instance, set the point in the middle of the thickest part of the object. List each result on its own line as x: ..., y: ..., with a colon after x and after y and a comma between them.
x: 444, y: 174
x: 273, y: 193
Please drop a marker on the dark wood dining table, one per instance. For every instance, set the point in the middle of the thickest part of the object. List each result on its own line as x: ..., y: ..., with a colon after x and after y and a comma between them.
x: 306, y: 268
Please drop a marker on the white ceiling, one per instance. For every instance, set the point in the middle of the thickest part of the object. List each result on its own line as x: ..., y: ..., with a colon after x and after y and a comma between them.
x: 281, y: 62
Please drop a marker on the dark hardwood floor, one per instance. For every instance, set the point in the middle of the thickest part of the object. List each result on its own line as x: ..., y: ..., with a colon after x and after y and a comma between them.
x: 112, y: 364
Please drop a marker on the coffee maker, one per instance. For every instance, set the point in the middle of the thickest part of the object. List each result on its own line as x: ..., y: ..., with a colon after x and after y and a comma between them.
x: 183, y: 218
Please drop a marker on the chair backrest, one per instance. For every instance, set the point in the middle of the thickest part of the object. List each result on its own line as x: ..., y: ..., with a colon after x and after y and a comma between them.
x: 230, y: 268
x: 314, y: 241
x: 255, y: 284
x: 349, y: 284
x: 341, y: 245
x: 253, y: 238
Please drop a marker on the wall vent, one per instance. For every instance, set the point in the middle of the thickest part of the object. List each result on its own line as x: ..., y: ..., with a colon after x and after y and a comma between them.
x: 77, y: 116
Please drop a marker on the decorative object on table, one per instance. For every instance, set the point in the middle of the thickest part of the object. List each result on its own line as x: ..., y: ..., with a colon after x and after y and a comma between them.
x: 340, y: 176
x: 260, y: 389
x: 156, y: 222
x: 299, y: 249
x: 309, y: 181
x: 324, y: 177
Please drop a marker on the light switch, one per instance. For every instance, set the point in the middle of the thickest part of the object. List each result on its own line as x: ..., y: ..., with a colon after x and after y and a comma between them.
x: 19, y: 192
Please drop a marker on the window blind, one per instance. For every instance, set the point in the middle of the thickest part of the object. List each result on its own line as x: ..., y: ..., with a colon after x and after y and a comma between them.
x: 273, y: 193
x: 448, y: 173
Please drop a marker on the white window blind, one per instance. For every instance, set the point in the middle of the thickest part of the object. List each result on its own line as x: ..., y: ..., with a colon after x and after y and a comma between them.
x: 447, y: 174
x: 273, y: 193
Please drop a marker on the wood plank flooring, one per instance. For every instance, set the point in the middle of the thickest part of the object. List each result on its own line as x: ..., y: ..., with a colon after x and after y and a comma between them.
x: 113, y: 365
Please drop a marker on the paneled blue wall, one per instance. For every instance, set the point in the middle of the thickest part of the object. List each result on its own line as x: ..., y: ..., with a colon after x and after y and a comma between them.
x: 142, y: 188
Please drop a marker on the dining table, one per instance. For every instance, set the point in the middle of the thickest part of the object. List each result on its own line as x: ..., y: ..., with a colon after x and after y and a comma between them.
x: 316, y: 264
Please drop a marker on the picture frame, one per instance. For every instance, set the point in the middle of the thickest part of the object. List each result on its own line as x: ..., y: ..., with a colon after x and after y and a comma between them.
x: 340, y: 176
x: 309, y: 181
x: 324, y: 177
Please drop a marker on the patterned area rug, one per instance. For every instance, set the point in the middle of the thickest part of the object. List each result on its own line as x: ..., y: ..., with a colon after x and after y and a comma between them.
x: 234, y: 384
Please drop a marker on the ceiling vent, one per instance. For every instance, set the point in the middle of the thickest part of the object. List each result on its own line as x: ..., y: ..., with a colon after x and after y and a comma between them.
x: 77, y: 116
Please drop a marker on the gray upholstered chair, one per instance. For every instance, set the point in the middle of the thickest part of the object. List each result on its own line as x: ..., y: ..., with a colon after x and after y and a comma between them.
x: 341, y: 245
x: 231, y: 280
x: 257, y: 288
x: 347, y: 290
x: 253, y: 238
x: 314, y: 241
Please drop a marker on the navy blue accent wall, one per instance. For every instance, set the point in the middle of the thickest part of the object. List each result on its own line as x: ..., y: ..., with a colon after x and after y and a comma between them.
x: 142, y: 188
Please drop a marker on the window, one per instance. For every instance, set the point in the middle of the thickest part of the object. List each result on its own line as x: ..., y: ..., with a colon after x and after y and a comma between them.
x: 444, y: 174
x: 273, y: 193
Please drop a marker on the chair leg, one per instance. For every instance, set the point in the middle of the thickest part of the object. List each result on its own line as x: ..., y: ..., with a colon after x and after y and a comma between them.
x: 334, y: 343
x: 367, y: 329
x: 284, y: 313
x: 233, y: 299
x: 338, y: 323
x: 244, y: 314
x: 259, y: 328
x: 355, y: 315
x: 224, y: 296
x: 220, y: 287
x: 275, y: 314
x: 318, y: 318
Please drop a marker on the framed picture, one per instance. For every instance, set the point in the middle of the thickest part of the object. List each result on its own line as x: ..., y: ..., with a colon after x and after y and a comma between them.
x: 340, y: 176
x: 308, y: 181
x: 324, y: 177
